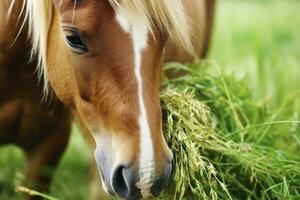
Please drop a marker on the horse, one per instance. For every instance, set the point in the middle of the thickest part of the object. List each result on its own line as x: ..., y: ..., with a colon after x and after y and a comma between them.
x: 100, y: 61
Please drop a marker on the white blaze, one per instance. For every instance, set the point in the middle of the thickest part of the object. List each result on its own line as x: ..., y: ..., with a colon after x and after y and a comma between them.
x: 138, y: 31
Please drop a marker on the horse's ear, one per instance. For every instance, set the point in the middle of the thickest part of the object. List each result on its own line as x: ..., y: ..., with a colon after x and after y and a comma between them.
x: 59, y: 70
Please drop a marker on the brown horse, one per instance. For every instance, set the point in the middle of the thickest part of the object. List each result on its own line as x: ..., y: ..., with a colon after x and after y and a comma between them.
x: 103, y: 61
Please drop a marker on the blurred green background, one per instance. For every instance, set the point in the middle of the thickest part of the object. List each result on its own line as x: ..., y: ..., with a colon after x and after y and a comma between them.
x: 254, y: 40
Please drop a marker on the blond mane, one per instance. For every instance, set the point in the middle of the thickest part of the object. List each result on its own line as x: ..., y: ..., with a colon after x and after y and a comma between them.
x: 167, y: 14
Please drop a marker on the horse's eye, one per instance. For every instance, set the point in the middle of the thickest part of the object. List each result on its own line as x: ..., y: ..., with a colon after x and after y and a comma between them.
x: 76, y: 41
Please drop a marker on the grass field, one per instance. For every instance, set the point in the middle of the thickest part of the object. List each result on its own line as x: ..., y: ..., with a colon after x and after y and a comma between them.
x: 256, y: 44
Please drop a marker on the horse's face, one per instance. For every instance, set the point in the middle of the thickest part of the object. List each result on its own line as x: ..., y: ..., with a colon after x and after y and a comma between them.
x: 116, y: 64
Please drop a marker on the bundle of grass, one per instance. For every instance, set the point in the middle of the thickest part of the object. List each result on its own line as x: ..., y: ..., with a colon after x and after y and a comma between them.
x: 208, y: 125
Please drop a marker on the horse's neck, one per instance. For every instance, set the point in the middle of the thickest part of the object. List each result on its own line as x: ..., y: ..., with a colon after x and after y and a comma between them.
x: 14, y: 48
x: 10, y: 25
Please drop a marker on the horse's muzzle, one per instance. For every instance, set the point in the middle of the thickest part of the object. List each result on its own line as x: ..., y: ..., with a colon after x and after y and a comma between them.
x: 125, y: 183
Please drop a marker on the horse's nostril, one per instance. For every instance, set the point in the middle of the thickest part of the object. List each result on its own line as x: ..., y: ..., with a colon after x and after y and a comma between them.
x: 121, y: 181
x: 159, y: 185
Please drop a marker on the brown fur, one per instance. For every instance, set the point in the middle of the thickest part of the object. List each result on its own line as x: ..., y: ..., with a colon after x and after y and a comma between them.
x: 100, y: 87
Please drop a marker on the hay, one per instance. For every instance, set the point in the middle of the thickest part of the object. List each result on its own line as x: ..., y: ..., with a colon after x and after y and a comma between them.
x: 208, y: 124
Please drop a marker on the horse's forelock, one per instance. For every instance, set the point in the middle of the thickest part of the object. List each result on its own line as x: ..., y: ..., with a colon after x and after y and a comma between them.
x: 169, y: 15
